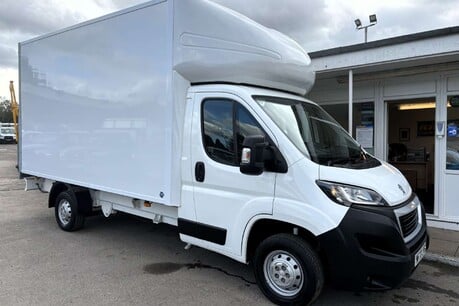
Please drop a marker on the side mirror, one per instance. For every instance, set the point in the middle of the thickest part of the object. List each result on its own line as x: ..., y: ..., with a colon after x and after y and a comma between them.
x: 253, y: 155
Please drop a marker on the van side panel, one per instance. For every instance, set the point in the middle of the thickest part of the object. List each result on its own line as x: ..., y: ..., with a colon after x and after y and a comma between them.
x: 96, y: 106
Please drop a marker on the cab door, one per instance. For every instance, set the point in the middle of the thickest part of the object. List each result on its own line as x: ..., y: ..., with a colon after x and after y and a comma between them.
x: 224, y: 198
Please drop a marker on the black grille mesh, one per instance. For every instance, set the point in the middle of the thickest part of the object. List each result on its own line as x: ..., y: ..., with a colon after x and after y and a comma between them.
x: 409, y: 222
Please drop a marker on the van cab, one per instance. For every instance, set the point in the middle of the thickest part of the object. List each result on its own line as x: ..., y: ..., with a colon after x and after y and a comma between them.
x: 304, y: 177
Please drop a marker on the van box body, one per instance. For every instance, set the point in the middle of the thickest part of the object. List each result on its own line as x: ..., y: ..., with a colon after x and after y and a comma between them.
x: 102, y: 102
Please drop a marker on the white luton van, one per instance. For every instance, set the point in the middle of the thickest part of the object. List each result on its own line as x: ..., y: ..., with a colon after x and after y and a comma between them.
x: 188, y: 113
x: 7, y: 133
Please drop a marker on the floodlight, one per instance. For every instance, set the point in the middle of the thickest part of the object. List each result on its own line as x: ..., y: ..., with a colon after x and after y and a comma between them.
x: 360, y: 26
x: 373, y: 18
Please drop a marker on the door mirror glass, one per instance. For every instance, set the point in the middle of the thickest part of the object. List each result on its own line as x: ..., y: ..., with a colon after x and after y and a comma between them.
x: 253, y: 155
x: 245, y: 156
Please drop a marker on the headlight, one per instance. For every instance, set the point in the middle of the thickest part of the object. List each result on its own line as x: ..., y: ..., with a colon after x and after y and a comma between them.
x: 348, y: 195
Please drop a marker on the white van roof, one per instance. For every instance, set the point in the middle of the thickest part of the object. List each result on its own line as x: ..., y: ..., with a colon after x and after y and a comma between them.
x: 215, y: 44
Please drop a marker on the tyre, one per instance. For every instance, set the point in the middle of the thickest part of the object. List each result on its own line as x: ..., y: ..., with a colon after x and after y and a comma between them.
x: 288, y: 271
x: 66, y: 212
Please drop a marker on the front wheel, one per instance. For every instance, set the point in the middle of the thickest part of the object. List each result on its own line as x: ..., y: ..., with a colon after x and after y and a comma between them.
x: 288, y: 270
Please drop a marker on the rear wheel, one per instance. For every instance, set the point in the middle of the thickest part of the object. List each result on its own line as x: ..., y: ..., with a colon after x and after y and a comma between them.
x: 66, y: 212
x: 288, y: 270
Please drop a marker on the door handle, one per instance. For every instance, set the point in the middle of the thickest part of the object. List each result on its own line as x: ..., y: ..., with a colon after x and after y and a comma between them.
x: 200, y: 171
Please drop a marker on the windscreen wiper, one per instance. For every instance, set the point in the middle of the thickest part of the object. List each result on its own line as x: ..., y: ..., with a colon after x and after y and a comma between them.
x: 346, y: 160
x: 339, y: 161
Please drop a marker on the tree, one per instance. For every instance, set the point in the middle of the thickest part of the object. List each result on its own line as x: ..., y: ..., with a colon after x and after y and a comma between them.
x: 6, y: 115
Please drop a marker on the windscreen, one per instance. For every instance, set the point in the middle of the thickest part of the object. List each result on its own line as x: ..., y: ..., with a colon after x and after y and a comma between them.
x: 316, y: 133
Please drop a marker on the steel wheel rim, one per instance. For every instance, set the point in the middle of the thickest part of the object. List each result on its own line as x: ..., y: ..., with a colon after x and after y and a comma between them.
x: 64, y: 211
x: 283, y: 273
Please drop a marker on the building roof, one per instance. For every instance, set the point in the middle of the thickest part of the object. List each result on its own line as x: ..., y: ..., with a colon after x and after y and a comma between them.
x: 429, y: 48
x: 385, y: 42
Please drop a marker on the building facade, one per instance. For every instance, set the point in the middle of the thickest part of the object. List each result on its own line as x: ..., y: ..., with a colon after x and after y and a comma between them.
x: 399, y: 97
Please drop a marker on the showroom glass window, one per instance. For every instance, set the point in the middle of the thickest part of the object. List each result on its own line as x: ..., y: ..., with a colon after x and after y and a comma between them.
x: 452, y: 143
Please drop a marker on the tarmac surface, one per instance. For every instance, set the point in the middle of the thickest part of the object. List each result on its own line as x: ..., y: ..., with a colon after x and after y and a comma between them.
x: 124, y: 260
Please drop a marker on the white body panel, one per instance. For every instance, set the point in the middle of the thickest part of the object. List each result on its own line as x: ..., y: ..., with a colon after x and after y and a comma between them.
x: 101, y: 115
x: 227, y: 198
x: 231, y: 201
x: 299, y: 200
x: 234, y: 201
x: 102, y: 103
x: 215, y: 44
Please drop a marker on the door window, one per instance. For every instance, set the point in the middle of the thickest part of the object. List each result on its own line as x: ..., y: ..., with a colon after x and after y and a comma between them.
x: 246, y: 125
x: 224, y: 121
x: 218, y: 130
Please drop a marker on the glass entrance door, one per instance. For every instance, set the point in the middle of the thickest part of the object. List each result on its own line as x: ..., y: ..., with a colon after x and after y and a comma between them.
x: 411, y: 145
x: 451, y: 191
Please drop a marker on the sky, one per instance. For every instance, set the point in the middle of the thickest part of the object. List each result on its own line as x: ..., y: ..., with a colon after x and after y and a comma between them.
x: 315, y: 24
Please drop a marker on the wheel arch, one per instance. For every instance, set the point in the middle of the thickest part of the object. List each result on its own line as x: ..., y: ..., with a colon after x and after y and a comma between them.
x: 56, y: 189
x: 262, y: 227
x: 82, y: 195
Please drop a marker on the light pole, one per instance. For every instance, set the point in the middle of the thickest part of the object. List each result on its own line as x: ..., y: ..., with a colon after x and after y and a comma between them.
x: 360, y: 26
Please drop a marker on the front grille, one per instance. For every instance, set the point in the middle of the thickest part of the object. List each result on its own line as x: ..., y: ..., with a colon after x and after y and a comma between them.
x: 409, y: 222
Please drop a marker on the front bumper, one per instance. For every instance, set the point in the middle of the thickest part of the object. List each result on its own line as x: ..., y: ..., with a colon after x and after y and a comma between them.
x: 368, y: 251
x: 7, y: 139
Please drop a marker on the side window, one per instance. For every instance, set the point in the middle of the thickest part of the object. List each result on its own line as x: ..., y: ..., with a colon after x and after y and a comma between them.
x: 225, y: 121
x: 218, y: 131
x: 246, y: 125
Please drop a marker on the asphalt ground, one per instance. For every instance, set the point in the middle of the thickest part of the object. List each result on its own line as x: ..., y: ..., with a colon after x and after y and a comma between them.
x: 125, y: 260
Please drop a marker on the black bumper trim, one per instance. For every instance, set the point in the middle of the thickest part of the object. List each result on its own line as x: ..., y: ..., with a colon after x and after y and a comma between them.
x: 202, y: 231
x: 367, y: 250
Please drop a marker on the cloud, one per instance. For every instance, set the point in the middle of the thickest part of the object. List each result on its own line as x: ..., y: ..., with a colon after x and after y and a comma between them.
x: 301, y: 20
x: 7, y: 75
x: 8, y: 56
x: 35, y: 17
x: 8, y: 48
x: 395, y: 18
x: 121, y: 4
x: 395, y: 22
